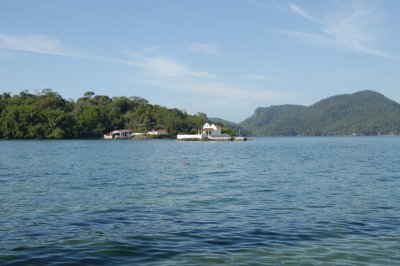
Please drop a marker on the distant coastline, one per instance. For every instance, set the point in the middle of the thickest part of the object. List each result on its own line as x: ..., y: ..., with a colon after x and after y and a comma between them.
x: 47, y: 115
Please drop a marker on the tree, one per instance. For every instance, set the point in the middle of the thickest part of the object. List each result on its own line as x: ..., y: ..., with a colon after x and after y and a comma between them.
x: 89, y: 94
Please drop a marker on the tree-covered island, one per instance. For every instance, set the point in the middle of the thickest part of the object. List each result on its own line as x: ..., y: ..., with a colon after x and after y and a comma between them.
x: 47, y: 115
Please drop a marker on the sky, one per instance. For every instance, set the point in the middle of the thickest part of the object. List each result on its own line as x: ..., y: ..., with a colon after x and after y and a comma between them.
x: 221, y: 57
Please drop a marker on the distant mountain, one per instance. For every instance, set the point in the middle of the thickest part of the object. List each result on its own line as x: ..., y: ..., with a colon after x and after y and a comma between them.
x: 234, y: 127
x: 362, y: 113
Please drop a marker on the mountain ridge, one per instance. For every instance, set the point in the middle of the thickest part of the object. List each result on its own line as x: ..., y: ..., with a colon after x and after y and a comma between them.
x: 362, y: 113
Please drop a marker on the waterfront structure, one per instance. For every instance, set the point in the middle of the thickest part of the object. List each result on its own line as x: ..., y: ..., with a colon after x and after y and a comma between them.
x: 213, y: 132
x: 158, y: 132
x: 119, y: 134
x: 197, y: 136
x: 208, y: 132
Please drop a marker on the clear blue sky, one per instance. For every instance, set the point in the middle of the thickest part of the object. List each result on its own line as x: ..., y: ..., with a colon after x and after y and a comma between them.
x: 221, y: 57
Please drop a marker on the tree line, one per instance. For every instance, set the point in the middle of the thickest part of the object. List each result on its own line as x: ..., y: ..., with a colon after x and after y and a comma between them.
x: 47, y: 115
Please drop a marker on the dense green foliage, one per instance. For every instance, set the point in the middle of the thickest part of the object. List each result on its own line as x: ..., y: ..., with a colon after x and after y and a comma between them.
x: 361, y: 113
x: 46, y: 115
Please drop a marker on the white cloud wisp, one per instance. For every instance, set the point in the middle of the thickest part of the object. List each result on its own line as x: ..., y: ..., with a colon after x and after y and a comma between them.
x: 35, y: 43
x: 164, y: 72
x: 350, y: 31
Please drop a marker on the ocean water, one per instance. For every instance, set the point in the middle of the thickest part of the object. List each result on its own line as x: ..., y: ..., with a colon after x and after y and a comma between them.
x: 268, y: 201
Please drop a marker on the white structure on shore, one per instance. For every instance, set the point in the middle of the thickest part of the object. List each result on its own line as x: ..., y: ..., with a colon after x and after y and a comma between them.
x: 119, y: 134
x: 209, y: 132
x: 158, y: 132
x: 197, y: 136
x: 214, y: 132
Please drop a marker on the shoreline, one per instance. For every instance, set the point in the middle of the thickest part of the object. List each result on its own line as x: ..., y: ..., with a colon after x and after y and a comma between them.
x: 174, y: 138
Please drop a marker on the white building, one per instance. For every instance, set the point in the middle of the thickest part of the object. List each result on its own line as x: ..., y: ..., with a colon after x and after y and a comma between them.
x: 213, y: 132
x: 209, y: 132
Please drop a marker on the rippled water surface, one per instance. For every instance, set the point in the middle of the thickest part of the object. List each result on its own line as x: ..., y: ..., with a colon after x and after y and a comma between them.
x: 272, y: 201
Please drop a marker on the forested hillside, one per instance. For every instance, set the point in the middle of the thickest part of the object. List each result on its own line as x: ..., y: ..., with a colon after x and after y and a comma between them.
x: 361, y: 113
x: 47, y: 115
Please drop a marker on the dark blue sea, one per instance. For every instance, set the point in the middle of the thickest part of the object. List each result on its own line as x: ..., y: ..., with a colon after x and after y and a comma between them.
x: 268, y: 201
